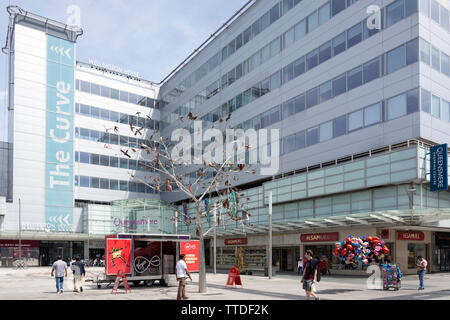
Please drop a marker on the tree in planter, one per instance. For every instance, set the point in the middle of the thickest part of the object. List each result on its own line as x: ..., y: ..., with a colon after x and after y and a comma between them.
x: 213, y: 188
x: 240, y: 261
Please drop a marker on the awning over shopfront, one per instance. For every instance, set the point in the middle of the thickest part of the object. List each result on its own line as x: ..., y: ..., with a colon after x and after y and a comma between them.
x: 392, y: 218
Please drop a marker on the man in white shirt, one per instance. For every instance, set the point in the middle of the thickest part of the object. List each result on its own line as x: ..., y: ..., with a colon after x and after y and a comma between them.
x: 182, y: 274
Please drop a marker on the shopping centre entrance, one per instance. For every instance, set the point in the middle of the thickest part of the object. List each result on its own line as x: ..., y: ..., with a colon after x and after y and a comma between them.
x: 285, y: 259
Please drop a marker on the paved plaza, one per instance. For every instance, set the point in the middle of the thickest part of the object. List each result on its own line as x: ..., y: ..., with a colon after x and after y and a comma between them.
x: 36, y: 284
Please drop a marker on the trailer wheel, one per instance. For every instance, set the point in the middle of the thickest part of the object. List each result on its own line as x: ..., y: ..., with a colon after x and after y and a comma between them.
x: 149, y: 283
x: 136, y: 283
x: 99, y: 286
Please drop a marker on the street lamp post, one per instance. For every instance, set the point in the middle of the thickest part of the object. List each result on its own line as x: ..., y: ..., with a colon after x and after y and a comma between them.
x: 215, y: 240
x: 270, y: 235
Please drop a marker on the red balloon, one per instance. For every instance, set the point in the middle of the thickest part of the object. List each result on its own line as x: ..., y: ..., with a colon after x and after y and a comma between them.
x: 369, y: 238
x: 349, y: 247
x: 348, y: 240
x: 376, y: 238
x: 387, y: 251
x: 344, y: 252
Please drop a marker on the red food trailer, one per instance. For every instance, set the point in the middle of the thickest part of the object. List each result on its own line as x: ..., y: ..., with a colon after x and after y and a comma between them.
x: 141, y: 257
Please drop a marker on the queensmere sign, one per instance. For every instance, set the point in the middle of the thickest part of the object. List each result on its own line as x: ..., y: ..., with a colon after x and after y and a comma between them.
x: 439, y: 168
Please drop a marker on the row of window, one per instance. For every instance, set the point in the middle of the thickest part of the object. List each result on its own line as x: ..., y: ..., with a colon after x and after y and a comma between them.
x: 110, y: 138
x: 108, y: 115
x: 390, y: 109
x: 435, y: 106
x: 307, y: 25
x: 432, y: 56
x: 243, y: 38
x: 395, y: 59
x: 113, y: 162
x: 319, y: 16
x: 112, y: 184
x: 396, y: 11
x: 433, y: 10
x: 115, y: 94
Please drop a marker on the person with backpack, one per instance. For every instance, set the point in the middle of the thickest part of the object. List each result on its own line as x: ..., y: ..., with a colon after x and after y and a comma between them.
x: 310, y: 275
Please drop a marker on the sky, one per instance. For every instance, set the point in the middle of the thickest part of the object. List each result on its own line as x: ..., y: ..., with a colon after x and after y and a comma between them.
x: 147, y: 36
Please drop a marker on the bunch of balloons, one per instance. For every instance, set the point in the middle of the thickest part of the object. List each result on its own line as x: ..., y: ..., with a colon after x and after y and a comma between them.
x: 360, y: 249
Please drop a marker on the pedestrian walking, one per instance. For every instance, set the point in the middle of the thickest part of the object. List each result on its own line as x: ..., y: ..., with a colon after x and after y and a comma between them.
x: 78, y: 275
x: 300, y: 266
x: 323, y: 266
x: 421, y: 271
x: 182, y: 274
x: 59, y: 270
x: 310, y: 269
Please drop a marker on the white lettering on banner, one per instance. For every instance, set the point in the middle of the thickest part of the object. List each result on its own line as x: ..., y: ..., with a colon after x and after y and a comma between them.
x: 58, y: 140
x: 59, y: 173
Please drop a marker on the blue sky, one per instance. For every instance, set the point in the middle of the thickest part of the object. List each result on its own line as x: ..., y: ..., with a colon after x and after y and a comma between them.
x: 148, y: 36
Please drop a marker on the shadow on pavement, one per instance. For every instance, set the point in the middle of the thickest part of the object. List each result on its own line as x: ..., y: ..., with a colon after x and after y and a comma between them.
x: 336, y: 291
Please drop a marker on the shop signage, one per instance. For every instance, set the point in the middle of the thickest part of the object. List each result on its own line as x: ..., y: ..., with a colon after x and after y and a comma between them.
x: 118, y: 256
x: 15, y: 243
x: 411, y: 235
x: 320, y: 237
x: 191, y: 249
x: 439, y: 168
x: 234, y: 242
x: 59, y: 131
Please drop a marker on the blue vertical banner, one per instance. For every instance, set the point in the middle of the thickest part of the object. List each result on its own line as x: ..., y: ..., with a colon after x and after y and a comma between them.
x: 59, y: 134
x: 439, y: 168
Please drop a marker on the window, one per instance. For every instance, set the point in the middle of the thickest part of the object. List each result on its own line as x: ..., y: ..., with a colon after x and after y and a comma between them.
x: 411, y: 7
x: 412, y: 51
x: 371, y: 70
x: 238, y: 75
x: 312, y: 59
x: 104, y: 161
x: 339, y: 85
x: 340, y: 126
x: 394, y: 12
x: 339, y: 44
x: 445, y: 19
x: 114, y: 162
x: 114, y: 184
x: 85, y: 87
x: 337, y: 6
x: 445, y: 65
x: 326, y: 131
x: 445, y: 110
x: 287, y: 5
x: 104, y: 114
x: 299, y: 67
x: 300, y: 30
x: 104, y: 183
x: 123, y: 185
x: 247, y: 35
x: 124, y: 163
x: 231, y: 77
x: 325, y: 52
x: 354, y: 78
x: 288, y: 144
x: 288, y: 109
x: 425, y: 100
x: 95, y: 159
x: 105, y: 92
x: 84, y: 182
x: 85, y: 134
x: 436, y: 59
x: 300, y: 103
x: 436, y: 107
x: 325, y: 92
x: 238, y: 101
x: 114, y: 116
x: 238, y: 42
x: 354, y: 35
x: 275, y: 47
x: 95, y: 89
x: 425, y: 51
x: 324, y: 13
x: 412, y: 101
x: 275, y: 80
x: 312, y: 136
x: 435, y: 10
x: 425, y: 7
x: 275, y: 13
x: 224, y: 53
x: 85, y: 110
x: 256, y: 28
x: 95, y: 182
x: 355, y: 120
x: 372, y: 115
x: 114, y: 94
x: 288, y: 73
x: 313, y: 21
x: 288, y: 38
x: 312, y: 97
x: 84, y: 157
x: 265, y: 21
x: 397, y: 107
x: 300, y: 142
x: 231, y: 47
x: 396, y: 59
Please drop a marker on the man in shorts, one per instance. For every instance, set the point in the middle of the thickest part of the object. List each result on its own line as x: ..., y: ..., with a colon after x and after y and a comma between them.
x: 310, y: 267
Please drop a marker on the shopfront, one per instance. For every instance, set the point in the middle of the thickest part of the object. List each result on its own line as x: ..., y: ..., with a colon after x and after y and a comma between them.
x: 321, y: 244
x: 50, y: 250
x: 10, y: 251
x: 96, y: 249
x: 441, y: 252
x: 409, y: 245
x: 252, y: 256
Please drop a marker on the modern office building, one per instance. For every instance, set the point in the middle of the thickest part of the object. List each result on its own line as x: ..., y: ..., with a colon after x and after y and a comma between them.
x: 357, y: 105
